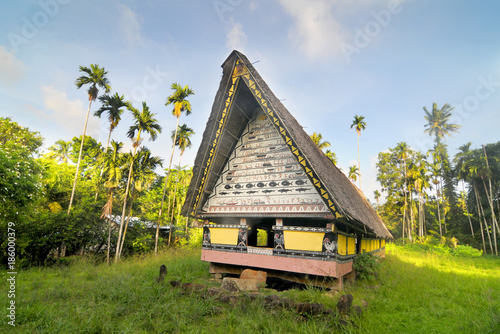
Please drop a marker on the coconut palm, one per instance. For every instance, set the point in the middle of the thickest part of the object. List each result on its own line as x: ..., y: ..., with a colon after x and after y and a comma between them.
x: 461, y: 159
x: 377, y: 195
x: 438, y: 124
x: 489, y: 196
x: 60, y: 150
x: 332, y: 156
x: 179, y: 100
x: 353, y: 173
x: 419, y: 175
x: 476, y: 171
x: 144, y: 121
x: 317, y: 139
x: 96, y: 78
x: 359, y: 124
x: 402, y: 153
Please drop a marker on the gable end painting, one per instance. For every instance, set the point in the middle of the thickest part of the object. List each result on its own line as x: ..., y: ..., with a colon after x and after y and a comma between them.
x: 269, y: 198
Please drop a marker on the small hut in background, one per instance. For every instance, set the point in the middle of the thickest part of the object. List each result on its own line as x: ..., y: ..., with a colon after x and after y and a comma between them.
x: 270, y: 199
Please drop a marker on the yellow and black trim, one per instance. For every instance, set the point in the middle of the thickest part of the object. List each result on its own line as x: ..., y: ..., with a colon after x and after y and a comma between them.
x: 294, y: 148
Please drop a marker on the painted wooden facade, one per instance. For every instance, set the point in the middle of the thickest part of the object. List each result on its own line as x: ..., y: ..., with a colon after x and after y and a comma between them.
x: 270, y: 199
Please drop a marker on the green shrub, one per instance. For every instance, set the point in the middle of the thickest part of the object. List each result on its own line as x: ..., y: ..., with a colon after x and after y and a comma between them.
x: 466, y: 251
x: 365, y: 266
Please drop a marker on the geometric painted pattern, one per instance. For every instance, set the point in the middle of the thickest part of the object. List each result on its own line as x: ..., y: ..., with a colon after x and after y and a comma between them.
x: 241, y: 72
x: 262, y: 177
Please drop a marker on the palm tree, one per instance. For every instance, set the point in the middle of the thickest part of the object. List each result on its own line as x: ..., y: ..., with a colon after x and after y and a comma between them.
x: 418, y: 173
x: 332, y: 156
x: 377, y: 195
x: 114, y: 106
x: 316, y: 138
x: 96, y: 78
x: 489, y: 196
x: 438, y: 122
x: 359, y: 124
x: 353, y: 173
x: 60, y: 150
x: 461, y: 159
x: 143, y: 122
x: 181, y: 104
x: 476, y: 170
x: 112, y: 167
x: 142, y: 177
x: 402, y: 152
x: 182, y: 140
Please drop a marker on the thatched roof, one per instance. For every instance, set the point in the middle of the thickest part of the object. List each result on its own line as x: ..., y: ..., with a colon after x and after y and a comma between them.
x: 241, y: 91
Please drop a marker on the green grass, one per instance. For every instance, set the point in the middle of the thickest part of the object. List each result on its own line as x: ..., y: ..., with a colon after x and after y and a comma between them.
x: 415, y: 292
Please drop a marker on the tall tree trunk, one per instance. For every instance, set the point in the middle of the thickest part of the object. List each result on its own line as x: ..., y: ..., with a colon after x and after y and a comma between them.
x: 444, y: 206
x: 79, y: 157
x: 102, y: 169
x: 490, y: 201
x: 487, y: 227
x: 126, y: 224
x: 165, y: 188
x: 467, y: 211
x: 117, y: 255
x: 439, y: 211
x: 359, y: 164
x: 479, y: 214
x: 421, y: 214
x: 411, y: 216
x: 110, y: 212
x: 404, y: 191
x: 109, y: 241
x: 493, y: 216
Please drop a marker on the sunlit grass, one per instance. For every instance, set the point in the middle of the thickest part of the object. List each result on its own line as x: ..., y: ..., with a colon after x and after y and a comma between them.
x: 415, y: 292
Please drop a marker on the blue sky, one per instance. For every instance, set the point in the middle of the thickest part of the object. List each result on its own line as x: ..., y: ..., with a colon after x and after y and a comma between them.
x: 327, y: 59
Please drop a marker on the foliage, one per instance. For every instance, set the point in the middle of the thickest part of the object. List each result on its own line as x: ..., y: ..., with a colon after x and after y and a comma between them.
x: 466, y: 251
x: 91, y: 151
x: 414, y: 293
x: 366, y: 265
x: 19, y: 171
x: 13, y: 136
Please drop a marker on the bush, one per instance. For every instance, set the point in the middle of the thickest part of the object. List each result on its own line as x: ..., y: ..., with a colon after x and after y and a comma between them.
x: 365, y: 266
x: 466, y: 251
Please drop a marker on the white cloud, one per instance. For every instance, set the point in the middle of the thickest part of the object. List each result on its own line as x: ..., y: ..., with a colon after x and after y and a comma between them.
x: 316, y: 32
x: 130, y: 25
x: 320, y: 26
x: 11, y: 68
x: 68, y: 114
x: 236, y: 38
x: 253, y: 5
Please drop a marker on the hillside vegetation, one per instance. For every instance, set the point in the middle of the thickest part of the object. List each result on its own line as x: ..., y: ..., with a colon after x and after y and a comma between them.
x: 416, y: 291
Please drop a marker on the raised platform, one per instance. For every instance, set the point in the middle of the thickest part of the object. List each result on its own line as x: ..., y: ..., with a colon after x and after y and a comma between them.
x: 279, y: 263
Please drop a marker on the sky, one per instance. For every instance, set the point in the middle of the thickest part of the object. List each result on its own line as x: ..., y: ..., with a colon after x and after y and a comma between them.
x: 327, y: 60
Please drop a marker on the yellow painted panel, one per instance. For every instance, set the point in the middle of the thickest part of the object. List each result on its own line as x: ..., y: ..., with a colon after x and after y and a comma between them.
x: 225, y: 236
x: 351, y: 246
x: 363, y: 246
x: 342, y: 244
x: 383, y: 243
x: 309, y: 241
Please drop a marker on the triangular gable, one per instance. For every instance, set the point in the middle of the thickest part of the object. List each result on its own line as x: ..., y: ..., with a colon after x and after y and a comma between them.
x: 263, y: 176
x: 241, y: 76
x: 240, y: 93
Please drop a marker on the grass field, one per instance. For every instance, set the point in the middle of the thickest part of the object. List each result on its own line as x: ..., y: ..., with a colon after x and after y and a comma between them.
x: 415, y: 292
